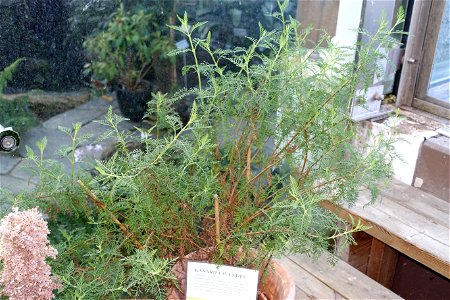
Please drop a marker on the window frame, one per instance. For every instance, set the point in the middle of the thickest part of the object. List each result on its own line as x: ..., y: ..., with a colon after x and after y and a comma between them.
x: 418, y: 60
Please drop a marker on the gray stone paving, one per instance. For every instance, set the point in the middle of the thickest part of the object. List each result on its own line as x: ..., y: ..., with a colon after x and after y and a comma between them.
x: 70, y: 117
x: 55, y: 140
x: 15, y: 178
x: 21, y: 172
x: 16, y: 185
x: 7, y: 163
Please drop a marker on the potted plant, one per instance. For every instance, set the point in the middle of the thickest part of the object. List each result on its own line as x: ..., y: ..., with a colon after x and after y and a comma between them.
x: 241, y: 182
x: 281, y: 141
x: 123, y: 56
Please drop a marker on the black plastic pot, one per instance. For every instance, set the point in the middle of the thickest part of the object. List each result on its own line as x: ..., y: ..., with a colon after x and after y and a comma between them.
x: 133, y: 103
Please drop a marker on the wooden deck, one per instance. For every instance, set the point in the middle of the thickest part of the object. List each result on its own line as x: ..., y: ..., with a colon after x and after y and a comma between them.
x: 406, y: 220
x: 409, y: 220
x: 321, y: 280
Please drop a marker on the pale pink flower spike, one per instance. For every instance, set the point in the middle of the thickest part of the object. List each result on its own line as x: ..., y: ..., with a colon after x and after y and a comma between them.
x: 24, y: 246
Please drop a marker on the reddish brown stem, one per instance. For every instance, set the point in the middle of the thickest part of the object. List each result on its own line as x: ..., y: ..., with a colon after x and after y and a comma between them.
x: 217, y: 220
x: 305, y: 158
x: 249, y: 157
x: 102, y: 206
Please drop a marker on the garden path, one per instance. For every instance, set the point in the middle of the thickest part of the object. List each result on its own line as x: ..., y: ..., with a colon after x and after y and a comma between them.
x: 15, y: 178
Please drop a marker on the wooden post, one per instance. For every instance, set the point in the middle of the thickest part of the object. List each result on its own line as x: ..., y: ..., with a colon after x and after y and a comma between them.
x: 382, y: 263
x: 411, y: 60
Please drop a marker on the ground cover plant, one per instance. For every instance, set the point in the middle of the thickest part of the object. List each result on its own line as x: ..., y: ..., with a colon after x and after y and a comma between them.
x: 267, y: 141
x: 15, y: 113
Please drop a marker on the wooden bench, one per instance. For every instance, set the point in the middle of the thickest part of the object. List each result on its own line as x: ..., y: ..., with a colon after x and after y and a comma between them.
x: 321, y: 280
x: 408, y: 220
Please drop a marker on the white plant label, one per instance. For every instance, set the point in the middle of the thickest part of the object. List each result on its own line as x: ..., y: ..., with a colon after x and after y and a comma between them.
x: 215, y: 282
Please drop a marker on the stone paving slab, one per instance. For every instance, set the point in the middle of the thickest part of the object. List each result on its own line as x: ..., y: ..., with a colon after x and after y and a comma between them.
x: 16, y: 178
x: 5, y: 208
x: 23, y: 169
x: 98, y: 104
x: 7, y: 163
x: 78, y: 165
x: 15, y: 185
x: 55, y: 140
x: 89, y: 151
x: 97, y: 130
x: 68, y: 118
x: 84, y: 113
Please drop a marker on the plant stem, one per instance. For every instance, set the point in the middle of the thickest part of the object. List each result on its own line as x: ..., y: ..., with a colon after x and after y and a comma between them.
x: 276, y: 156
x: 217, y: 219
x: 194, y: 53
x: 72, y: 159
x: 175, y: 138
x: 249, y: 156
x: 102, y: 206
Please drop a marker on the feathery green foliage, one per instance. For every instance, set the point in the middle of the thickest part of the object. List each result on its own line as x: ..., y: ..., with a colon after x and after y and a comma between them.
x: 156, y: 269
x: 270, y: 137
x: 7, y: 73
x: 76, y: 141
x: 161, y: 108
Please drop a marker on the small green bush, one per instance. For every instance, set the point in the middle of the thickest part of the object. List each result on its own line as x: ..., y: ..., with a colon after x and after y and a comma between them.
x: 123, y: 54
x: 15, y: 113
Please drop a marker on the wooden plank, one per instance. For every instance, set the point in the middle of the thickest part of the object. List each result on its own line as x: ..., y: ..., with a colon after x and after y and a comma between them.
x: 405, y: 239
x: 66, y: 99
x: 299, y: 294
x: 432, y: 108
x: 417, y: 200
x: 426, y: 233
x: 358, y: 256
x: 429, y: 226
x: 414, y: 47
x: 306, y: 284
x: 432, y: 119
x: 344, y: 279
x: 382, y: 263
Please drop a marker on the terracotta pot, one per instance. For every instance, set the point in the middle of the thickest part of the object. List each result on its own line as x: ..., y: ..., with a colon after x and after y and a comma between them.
x: 277, y: 284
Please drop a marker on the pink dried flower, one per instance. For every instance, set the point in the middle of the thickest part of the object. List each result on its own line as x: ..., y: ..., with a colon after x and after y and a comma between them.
x: 23, y: 248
